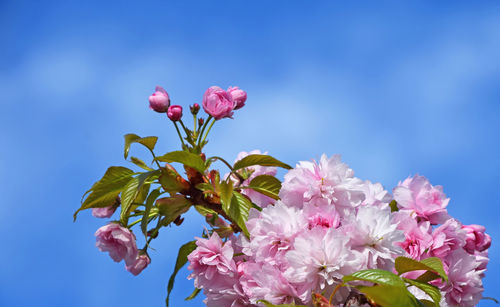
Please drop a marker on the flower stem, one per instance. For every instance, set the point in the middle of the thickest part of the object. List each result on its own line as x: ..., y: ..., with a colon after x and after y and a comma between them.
x: 179, y: 133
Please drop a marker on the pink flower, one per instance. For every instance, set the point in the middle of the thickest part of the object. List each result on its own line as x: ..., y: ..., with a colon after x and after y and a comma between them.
x: 477, y: 239
x: 426, y: 201
x: 104, y: 212
x: 212, y: 263
x: 140, y: 263
x: 218, y: 103
x: 447, y: 238
x: 174, y: 113
x: 239, y: 97
x: 159, y: 100
x: 118, y: 241
x: 418, y: 238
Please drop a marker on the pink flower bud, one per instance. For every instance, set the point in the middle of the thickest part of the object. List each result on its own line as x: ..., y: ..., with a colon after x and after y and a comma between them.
x: 103, y: 212
x: 118, y: 241
x: 174, y: 113
x: 477, y: 239
x: 218, y: 103
x: 159, y: 100
x: 140, y: 263
x: 194, y: 108
x: 239, y: 97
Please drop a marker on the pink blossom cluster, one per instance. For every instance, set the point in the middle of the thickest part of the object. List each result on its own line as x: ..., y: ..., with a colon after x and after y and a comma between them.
x: 329, y: 223
x: 431, y: 232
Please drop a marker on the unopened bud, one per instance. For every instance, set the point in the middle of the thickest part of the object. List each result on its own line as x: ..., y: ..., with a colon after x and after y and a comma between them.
x: 194, y: 108
x: 200, y: 121
x: 174, y: 113
x: 159, y: 100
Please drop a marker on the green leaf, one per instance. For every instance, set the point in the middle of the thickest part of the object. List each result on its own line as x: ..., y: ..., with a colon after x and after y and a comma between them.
x: 267, y: 185
x: 226, y: 194
x: 104, y: 192
x: 193, y: 295
x: 184, y: 251
x: 238, y: 211
x: 132, y: 191
x: 427, y: 303
x: 263, y: 160
x: 141, y: 164
x: 427, y: 276
x: 149, y: 204
x: 204, y: 211
x: 389, y: 296
x: 433, y: 264
x: 172, y: 207
x: 168, y: 180
x: 149, y: 142
x: 376, y: 276
x: 186, y: 158
x: 268, y: 304
x: 430, y: 290
x: 205, y: 187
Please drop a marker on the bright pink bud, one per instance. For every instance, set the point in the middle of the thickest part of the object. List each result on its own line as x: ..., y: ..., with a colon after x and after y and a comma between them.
x: 194, y: 108
x: 140, y: 263
x: 159, y: 100
x: 103, y: 212
x: 239, y: 97
x: 477, y: 239
x: 218, y: 103
x: 174, y: 113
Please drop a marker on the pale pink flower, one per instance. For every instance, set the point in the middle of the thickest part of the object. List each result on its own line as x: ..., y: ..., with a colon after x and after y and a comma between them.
x: 266, y: 282
x: 140, y: 263
x: 104, y: 212
x: 418, y: 238
x: 218, y: 103
x: 322, y: 214
x: 464, y: 287
x: 329, y: 179
x: 239, y: 96
x: 447, y: 238
x: 319, y: 259
x: 418, y: 196
x: 212, y: 263
x: 118, y: 241
x: 159, y: 100
x: 272, y: 232
x: 375, y: 195
x: 477, y: 239
x: 373, y: 234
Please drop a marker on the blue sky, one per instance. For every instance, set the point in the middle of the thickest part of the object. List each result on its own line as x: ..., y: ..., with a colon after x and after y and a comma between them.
x: 396, y: 89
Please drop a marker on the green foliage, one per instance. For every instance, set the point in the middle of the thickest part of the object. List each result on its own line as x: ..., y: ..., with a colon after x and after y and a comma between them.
x: 196, y: 291
x: 238, y: 210
x: 133, y: 192
x: 376, y: 276
x: 140, y: 163
x: 433, y: 264
x: 268, y: 304
x: 186, y: 158
x: 394, y: 206
x: 263, y: 160
x: 184, y: 251
x: 172, y: 207
x: 226, y: 194
x: 265, y: 184
x: 149, y: 205
x: 389, y: 296
x: 149, y: 142
x: 104, y: 192
x: 168, y: 180
x: 430, y: 290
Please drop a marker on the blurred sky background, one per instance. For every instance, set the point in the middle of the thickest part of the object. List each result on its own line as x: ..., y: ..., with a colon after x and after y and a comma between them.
x: 397, y: 89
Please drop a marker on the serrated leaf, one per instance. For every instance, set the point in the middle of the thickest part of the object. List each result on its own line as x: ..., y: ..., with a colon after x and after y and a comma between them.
x: 376, y: 276
x: 226, y: 194
x: 132, y: 190
x: 172, y: 207
x: 149, y: 204
x: 141, y: 164
x: 204, y: 211
x: 104, y: 192
x: 148, y: 141
x: 193, y: 295
x: 433, y: 264
x: 263, y: 160
x: 238, y: 211
x: 267, y: 185
x: 168, y: 180
x: 389, y: 296
x: 184, y: 251
x: 186, y: 158
x: 430, y: 290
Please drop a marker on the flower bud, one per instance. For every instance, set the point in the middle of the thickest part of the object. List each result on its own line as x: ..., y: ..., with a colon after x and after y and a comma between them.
x: 140, y: 263
x: 218, y: 103
x: 118, y: 241
x: 194, y: 108
x: 477, y: 239
x: 104, y: 212
x: 159, y: 100
x: 200, y: 121
x: 174, y: 113
x: 239, y: 97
